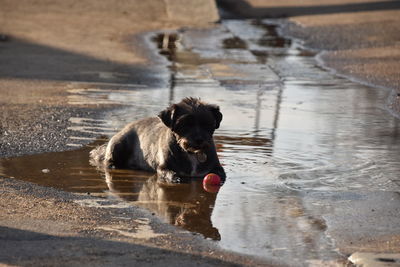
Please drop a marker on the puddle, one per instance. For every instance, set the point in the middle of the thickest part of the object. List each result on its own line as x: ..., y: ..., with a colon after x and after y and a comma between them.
x: 305, y: 152
x: 186, y: 205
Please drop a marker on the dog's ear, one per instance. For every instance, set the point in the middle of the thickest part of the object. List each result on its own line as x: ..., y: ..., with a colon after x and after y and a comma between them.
x: 217, y: 115
x: 168, y: 116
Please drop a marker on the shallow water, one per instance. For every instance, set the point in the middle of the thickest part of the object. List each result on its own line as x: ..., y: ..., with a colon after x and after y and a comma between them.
x: 302, y: 148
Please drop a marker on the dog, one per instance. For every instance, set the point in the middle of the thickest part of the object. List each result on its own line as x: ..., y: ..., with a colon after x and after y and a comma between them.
x: 177, y: 144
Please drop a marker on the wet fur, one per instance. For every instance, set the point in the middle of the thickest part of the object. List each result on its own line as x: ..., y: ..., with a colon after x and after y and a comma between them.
x: 167, y: 144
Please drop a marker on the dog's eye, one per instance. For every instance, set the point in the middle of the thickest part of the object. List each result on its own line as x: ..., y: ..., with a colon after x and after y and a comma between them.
x: 184, y: 125
x: 188, y: 124
x: 209, y: 127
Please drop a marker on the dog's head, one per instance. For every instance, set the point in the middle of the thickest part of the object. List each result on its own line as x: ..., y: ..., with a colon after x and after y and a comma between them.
x: 193, y: 122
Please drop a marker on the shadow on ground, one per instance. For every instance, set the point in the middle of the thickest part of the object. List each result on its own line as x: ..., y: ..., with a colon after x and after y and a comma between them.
x: 22, y: 59
x: 246, y: 10
x: 18, y: 249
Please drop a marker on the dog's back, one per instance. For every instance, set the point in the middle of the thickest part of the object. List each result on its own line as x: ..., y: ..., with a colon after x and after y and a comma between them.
x: 125, y: 149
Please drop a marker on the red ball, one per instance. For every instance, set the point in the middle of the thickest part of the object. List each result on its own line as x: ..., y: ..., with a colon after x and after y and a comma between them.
x: 211, y: 188
x: 212, y: 179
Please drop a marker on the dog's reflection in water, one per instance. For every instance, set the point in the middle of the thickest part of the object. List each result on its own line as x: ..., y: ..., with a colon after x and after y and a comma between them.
x: 186, y: 205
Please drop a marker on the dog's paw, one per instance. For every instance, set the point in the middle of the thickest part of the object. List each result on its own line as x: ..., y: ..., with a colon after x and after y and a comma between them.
x: 167, y: 175
x: 169, y: 179
x: 180, y: 180
x: 220, y: 172
x: 170, y: 176
x: 176, y: 180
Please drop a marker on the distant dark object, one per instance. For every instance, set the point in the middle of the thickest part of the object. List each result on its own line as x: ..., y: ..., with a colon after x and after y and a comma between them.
x: 4, y: 38
x: 166, y: 42
x: 234, y: 43
x: 386, y: 260
x: 242, y: 9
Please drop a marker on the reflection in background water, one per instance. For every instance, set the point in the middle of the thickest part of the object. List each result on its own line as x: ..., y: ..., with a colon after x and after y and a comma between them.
x: 300, y: 146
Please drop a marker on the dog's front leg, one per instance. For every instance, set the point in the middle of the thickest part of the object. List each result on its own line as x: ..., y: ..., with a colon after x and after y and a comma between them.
x: 220, y: 172
x: 168, y: 175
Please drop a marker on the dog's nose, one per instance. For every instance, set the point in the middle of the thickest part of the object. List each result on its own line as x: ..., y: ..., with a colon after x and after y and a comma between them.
x: 199, y: 141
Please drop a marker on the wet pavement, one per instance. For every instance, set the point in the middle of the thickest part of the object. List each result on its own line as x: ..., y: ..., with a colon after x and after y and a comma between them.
x: 312, y: 159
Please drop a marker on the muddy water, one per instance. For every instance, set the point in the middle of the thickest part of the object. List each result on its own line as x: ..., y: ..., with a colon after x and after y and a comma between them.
x: 312, y: 160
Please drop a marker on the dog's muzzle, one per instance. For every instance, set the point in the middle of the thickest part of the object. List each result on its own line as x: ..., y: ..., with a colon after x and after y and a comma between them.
x: 201, y: 156
x: 198, y: 149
